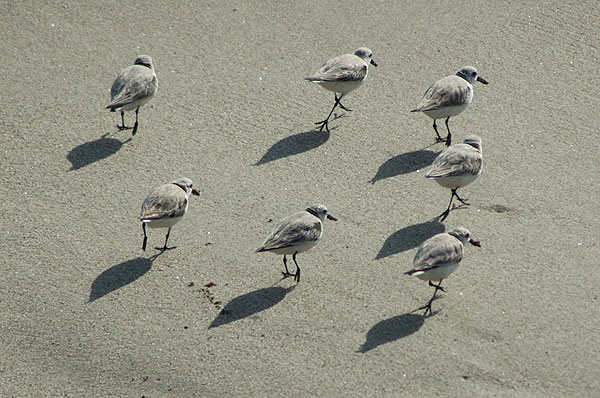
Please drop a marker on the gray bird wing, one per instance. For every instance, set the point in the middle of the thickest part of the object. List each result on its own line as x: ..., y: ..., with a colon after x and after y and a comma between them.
x: 292, y: 231
x: 449, y: 91
x: 132, y: 84
x: 459, y: 159
x: 165, y: 201
x: 437, y: 251
x: 347, y: 67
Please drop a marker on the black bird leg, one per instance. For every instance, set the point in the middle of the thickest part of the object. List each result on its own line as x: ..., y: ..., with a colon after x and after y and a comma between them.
x: 166, y: 240
x: 297, y: 277
x: 145, y: 236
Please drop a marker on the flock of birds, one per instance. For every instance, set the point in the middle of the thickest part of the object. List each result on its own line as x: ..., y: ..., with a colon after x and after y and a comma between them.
x: 455, y: 167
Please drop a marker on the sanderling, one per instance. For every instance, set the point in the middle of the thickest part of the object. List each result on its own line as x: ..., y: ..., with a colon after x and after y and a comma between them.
x: 295, y: 234
x: 438, y: 257
x: 343, y: 74
x: 457, y: 166
x: 133, y: 87
x: 448, y: 97
x: 165, y: 206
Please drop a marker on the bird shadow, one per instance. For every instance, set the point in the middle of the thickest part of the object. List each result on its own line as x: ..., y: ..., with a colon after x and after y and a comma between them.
x: 392, y: 329
x: 250, y: 303
x: 120, y: 275
x: 409, y: 237
x: 404, y: 163
x: 294, y: 145
x: 93, y: 151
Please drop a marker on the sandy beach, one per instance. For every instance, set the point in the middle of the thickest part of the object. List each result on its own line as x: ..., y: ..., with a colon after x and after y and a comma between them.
x: 87, y: 313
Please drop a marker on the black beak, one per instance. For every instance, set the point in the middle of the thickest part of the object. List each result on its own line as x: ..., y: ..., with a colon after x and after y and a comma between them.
x: 330, y: 217
x: 475, y: 243
x: 375, y: 64
x: 194, y: 192
x: 482, y: 80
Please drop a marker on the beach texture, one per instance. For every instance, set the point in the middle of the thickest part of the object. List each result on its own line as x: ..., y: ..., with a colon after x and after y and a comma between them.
x: 86, y: 313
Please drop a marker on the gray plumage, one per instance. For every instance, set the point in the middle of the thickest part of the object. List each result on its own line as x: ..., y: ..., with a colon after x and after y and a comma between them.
x: 165, y: 206
x: 439, y: 256
x: 457, y: 166
x: 295, y: 234
x: 448, y: 97
x: 342, y: 75
x: 133, y: 88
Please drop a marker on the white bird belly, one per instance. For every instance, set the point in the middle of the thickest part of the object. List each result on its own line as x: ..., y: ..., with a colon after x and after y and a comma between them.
x: 135, y: 104
x: 456, y: 181
x: 162, y: 222
x: 437, y: 274
x: 446, y: 111
x: 302, y: 247
x: 342, y: 87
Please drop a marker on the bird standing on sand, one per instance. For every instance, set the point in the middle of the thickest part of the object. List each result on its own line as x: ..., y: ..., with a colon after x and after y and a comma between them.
x: 342, y: 75
x: 448, y: 97
x: 457, y: 166
x: 296, y: 234
x: 133, y: 87
x: 438, y: 257
x: 165, y: 206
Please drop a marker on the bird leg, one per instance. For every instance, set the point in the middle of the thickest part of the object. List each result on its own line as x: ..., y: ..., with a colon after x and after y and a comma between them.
x: 449, y: 137
x: 123, y: 126
x: 135, y: 126
x: 287, y: 272
x: 447, y: 211
x: 427, y: 307
x: 145, y: 237
x: 463, y: 201
x: 339, y: 101
x: 438, y: 286
x: 297, y: 277
x: 166, y: 240
x: 439, y: 137
x: 324, y: 123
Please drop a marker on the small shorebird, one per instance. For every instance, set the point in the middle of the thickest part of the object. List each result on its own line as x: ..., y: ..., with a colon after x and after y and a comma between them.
x: 438, y: 257
x: 165, y: 206
x: 457, y: 166
x: 448, y: 97
x: 296, y: 234
x: 133, y: 87
x: 342, y: 75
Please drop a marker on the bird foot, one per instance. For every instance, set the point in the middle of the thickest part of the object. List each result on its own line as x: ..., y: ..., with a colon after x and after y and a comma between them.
x: 463, y: 201
x: 444, y: 215
x: 438, y: 287
x: 323, y: 123
x: 287, y: 274
x: 162, y: 249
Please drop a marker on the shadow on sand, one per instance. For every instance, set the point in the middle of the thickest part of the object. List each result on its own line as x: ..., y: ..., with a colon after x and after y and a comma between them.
x: 250, y: 303
x: 392, y: 329
x: 119, y: 275
x: 404, y: 164
x: 90, y: 152
x: 294, y: 145
x: 409, y: 237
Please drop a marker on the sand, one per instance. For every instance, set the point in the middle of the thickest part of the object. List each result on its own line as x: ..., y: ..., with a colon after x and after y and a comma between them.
x: 86, y: 313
